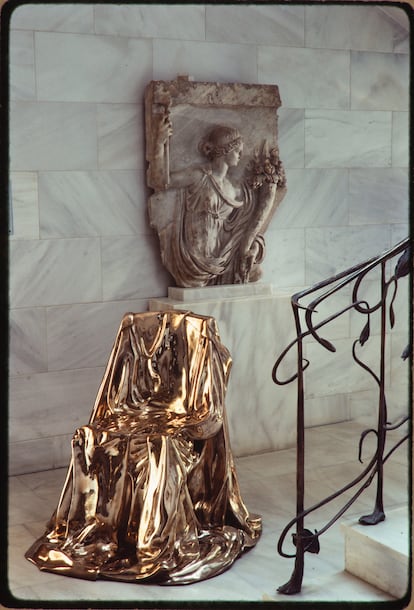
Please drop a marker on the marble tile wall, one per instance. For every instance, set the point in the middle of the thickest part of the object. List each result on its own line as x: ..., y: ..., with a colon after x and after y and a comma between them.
x: 82, y: 252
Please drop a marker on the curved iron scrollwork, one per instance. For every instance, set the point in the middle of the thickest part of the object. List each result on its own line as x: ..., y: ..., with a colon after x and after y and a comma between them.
x: 304, y: 540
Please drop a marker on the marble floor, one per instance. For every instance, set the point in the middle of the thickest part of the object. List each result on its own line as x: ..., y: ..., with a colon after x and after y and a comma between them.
x: 268, y: 486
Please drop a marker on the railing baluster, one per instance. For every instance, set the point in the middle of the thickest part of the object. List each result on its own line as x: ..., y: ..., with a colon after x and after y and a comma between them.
x: 378, y: 513
x: 294, y: 584
x: 304, y: 539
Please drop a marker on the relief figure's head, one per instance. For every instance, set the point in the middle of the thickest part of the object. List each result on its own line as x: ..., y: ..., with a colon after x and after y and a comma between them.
x: 222, y: 141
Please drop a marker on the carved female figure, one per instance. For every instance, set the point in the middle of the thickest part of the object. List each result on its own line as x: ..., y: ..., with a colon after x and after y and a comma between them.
x: 216, y: 235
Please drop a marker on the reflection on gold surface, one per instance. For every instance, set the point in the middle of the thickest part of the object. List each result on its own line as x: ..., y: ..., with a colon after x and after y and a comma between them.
x: 151, y: 492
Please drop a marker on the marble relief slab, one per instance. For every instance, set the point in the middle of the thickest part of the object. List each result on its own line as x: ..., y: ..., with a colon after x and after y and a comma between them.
x: 193, y: 106
x: 215, y: 169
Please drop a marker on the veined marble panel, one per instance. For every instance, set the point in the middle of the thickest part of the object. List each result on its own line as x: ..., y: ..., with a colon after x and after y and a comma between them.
x: 349, y: 27
x: 84, y: 68
x: 337, y: 373
x: 291, y: 136
x: 52, y: 272
x: 335, y: 138
x: 52, y: 136
x: 284, y: 263
x: 132, y: 268
x: 400, y: 139
x: 77, y: 204
x: 21, y: 499
x: 402, y: 28
x: 332, y: 250
x: 27, y: 341
x: 93, y: 328
x: 402, y: 41
x: 378, y: 196
x: 42, y: 484
x: 185, y: 22
x: 25, y: 207
x: 21, y: 66
x: 40, y: 454
x: 68, y: 17
x: 363, y: 403
x: 120, y: 136
x: 17, y: 503
x: 314, y: 198
x: 324, y: 410
x: 256, y: 24
x: 205, y: 61
x: 307, y: 78
x: 379, y: 81
x: 262, y: 415
x: 399, y: 232
x: 51, y: 404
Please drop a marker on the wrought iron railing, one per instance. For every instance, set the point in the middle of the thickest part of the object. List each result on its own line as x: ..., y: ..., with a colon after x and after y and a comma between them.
x: 351, y: 281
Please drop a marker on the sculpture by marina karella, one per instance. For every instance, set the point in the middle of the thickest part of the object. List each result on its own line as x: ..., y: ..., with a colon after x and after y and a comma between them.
x: 212, y: 204
x: 151, y: 493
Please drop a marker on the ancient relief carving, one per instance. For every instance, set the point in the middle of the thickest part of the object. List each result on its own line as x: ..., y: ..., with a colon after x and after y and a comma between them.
x: 217, y: 177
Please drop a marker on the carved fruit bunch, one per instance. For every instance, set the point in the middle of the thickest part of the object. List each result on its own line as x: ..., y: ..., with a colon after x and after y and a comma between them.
x: 265, y: 167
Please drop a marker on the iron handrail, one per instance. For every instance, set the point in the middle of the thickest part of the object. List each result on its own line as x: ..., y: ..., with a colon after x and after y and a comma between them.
x: 304, y: 539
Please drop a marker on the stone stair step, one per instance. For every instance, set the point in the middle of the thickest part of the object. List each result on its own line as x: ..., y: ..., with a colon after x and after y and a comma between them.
x: 379, y: 554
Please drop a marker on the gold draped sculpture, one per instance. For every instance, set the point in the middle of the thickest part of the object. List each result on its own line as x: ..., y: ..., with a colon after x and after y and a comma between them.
x: 151, y: 493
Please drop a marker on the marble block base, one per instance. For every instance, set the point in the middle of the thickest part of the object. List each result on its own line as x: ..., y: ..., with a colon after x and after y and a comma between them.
x: 255, y: 325
x: 379, y: 554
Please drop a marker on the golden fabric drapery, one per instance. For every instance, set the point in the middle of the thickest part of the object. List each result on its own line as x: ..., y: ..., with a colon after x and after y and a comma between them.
x: 151, y: 493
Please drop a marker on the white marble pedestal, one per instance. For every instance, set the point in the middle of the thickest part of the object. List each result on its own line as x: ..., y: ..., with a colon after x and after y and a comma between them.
x: 379, y: 554
x: 255, y: 325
